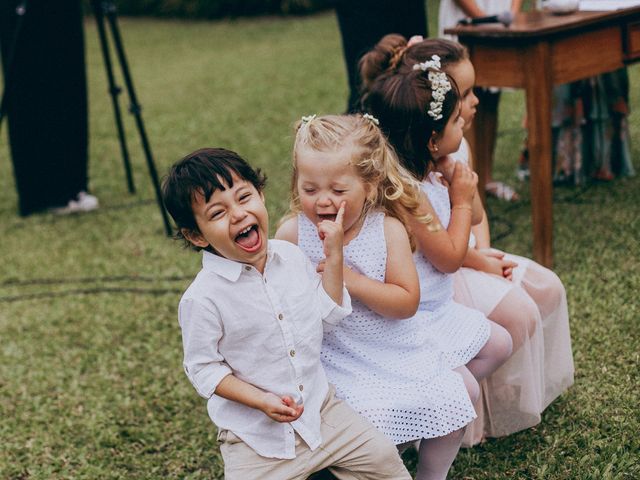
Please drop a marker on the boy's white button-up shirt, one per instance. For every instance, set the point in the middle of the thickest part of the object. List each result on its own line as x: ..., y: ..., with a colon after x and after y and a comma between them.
x: 267, y: 331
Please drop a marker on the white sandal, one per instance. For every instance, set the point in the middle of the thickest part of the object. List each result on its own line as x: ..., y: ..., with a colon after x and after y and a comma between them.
x: 501, y: 191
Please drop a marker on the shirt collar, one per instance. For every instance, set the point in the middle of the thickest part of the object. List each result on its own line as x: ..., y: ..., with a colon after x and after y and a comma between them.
x: 230, y: 269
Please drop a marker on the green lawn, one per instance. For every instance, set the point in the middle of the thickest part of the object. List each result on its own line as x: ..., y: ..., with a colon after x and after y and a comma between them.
x: 91, y: 384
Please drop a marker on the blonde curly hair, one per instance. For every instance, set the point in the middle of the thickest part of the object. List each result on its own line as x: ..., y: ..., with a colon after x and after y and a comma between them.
x: 395, y: 191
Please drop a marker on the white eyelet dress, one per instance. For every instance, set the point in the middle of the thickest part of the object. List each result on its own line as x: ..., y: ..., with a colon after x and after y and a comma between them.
x: 387, y: 370
x: 459, y: 331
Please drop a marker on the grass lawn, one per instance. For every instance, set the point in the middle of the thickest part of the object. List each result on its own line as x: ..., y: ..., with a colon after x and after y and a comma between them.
x: 91, y: 384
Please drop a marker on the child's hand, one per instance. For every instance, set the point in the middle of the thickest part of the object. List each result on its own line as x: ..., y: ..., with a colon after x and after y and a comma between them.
x: 464, y: 182
x: 283, y: 410
x: 497, y: 264
x: 332, y: 234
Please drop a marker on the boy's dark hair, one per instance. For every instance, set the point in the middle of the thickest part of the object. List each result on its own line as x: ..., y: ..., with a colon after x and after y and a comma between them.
x: 400, y: 96
x: 203, y: 171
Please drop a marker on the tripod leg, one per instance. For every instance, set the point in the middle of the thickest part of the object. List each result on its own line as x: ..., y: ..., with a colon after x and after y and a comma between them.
x: 114, y: 91
x: 21, y: 10
x: 136, y: 109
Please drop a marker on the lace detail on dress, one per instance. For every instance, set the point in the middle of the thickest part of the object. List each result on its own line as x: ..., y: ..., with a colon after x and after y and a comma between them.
x: 459, y: 331
x: 387, y: 370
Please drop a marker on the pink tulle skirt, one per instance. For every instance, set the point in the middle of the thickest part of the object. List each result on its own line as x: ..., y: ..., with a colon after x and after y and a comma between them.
x: 533, y: 308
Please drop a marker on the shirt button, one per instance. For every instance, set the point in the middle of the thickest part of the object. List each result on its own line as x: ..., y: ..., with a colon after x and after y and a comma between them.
x: 292, y: 353
x: 280, y: 316
x: 300, y: 387
x: 247, y: 268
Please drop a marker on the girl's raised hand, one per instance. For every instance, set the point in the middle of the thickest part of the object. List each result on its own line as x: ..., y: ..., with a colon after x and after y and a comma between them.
x: 463, y: 185
x: 332, y: 234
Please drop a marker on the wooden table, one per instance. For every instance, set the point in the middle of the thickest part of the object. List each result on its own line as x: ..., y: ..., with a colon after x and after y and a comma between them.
x: 538, y: 51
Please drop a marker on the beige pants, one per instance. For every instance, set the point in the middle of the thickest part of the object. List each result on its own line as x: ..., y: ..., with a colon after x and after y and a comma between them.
x: 351, y: 448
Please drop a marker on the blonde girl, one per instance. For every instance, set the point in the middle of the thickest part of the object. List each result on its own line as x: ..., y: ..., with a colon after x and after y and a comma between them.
x: 381, y: 358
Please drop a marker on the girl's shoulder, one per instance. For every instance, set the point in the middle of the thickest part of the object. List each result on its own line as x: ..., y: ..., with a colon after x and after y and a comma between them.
x: 393, y: 226
x: 288, y: 229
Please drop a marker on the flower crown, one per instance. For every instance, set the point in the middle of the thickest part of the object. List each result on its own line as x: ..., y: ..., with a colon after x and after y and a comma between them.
x: 440, y: 84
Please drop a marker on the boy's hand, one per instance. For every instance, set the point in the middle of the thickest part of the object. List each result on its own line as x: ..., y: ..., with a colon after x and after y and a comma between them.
x: 283, y: 410
x: 464, y: 182
x: 332, y: 234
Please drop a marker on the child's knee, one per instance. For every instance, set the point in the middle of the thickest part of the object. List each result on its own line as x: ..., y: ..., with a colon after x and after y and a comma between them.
x: 470, y: 383
x: 528, y: 315
x: 546, y: 289
x: 555, y: 291
x: 384, y: 458
x: 473, y: 389
x: 502, y: 343
x: 519, y: 314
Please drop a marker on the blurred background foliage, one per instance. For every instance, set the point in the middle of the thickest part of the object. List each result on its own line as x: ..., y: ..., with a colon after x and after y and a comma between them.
x: 211, y: 9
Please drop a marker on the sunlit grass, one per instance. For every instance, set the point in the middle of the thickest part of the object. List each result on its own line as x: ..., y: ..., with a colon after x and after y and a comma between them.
x: 91, y: 385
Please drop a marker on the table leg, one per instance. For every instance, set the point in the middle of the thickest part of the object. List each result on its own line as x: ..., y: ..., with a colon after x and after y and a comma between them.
x: 539, y: 85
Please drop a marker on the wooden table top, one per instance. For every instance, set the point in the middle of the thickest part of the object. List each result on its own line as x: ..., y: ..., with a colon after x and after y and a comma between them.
x: 526, y: 25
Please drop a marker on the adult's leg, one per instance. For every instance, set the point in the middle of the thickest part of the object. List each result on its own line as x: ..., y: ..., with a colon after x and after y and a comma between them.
x: 47, y: 103
x: 489, y: 123
x: 364, y: 22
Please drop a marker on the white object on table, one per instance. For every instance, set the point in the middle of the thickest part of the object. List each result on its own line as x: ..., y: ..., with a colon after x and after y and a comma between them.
x: 607, y: 5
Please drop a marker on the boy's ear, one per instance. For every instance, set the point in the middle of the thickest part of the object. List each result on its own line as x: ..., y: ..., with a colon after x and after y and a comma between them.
x: 194, y: 237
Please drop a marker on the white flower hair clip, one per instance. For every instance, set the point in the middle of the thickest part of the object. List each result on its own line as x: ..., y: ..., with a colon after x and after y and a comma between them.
x: 306, y: 119
x: 440, y: 85
x: 433, y: 63
x: 371, y: 118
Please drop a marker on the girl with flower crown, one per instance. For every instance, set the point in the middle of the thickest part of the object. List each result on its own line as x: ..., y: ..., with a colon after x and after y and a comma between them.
x: 522, y: 296
x: 419, y: 109
x: 381, y: 359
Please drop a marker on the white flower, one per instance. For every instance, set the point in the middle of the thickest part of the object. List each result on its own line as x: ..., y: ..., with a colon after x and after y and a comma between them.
x: 440, y: 85
x: 308, y: 118
x: 371, y: 118
x: 433, y: 63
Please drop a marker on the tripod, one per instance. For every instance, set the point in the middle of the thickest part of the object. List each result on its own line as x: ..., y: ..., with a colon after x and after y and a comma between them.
x: 102, y: 10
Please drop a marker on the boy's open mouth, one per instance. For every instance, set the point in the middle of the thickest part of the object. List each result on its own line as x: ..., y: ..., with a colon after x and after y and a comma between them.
x: 249, y: 239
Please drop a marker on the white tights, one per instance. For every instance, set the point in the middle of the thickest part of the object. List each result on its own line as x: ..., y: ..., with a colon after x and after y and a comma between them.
x: 435, y: 455
x: 494, y: 353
